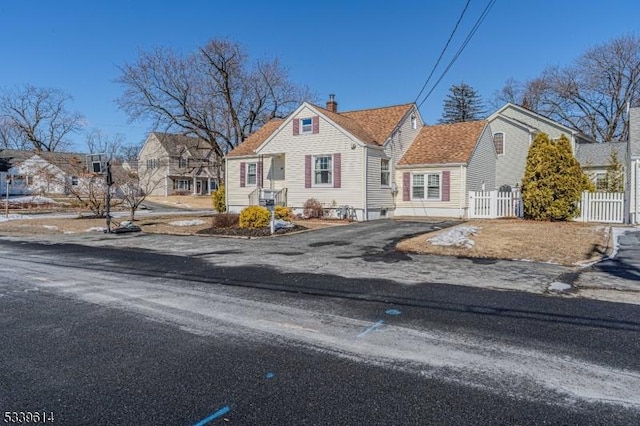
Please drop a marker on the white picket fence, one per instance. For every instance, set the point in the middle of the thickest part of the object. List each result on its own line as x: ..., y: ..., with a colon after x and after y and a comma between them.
x: 494, y: 204
x: 602, y: 207
x: 594, y: 207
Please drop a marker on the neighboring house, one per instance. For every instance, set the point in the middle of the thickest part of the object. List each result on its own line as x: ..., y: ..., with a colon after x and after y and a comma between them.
x: 176, y: 164
x: 595, y: 159
x: 514, y: 128
x: 442, y: 165
x: 338, y: 158
x: 42, y: 172
x: 633, y: 171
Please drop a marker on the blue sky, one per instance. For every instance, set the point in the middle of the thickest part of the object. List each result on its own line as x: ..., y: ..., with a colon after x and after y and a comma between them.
x: 369, y: 53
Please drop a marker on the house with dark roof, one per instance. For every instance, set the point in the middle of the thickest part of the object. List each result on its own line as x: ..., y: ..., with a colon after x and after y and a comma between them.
x: 341, y: 159
x: 177, y: 164
x: 595, y: 159
x: 443, y: 164
x: 41, y: 172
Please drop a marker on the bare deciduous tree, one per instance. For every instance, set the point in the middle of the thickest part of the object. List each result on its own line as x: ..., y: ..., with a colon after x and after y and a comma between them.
x: 37, y: 118
x: 215, y: 93
x: 132, y: 188
x: 591, y: 94
x: 99, y: 142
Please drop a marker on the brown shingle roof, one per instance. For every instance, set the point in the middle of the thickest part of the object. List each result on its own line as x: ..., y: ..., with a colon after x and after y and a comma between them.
x: 444, y: 143
x: 255, y: 139
x: 371, y: 126
x: 379, y: 122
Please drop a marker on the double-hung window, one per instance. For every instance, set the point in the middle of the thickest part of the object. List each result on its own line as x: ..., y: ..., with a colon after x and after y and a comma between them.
x: 322, y: 170
x: 385, y: 172
x: 252, y: 173
x: 306, y: 125
x: 182, y: 162
x: 426, y: 186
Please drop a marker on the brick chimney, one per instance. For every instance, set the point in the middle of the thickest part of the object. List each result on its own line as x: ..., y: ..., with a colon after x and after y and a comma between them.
x: 332, y: 105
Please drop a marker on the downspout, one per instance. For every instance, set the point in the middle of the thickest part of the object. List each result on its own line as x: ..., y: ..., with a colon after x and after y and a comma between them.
x: 463, y: 192
x: 226, y: 187
x: 166, y: 186
x: 365, y: 213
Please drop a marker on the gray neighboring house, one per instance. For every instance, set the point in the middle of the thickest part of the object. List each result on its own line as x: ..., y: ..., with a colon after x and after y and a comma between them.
x: 633, y: 172
x: 514, y: 128
x: 595, y: 159
x: 172, y: 164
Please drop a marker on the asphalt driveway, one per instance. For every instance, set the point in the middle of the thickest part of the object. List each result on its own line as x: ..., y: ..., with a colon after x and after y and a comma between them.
x: 363, y: 251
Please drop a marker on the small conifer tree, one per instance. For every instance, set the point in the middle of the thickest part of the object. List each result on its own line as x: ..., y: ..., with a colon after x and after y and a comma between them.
x: 615, y: 174
x: 553, y: 180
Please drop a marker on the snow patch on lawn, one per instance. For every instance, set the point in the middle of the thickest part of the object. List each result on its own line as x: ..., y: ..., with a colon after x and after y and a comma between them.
x: 51, y: 227
x: 31, y: 199
x: 95, y: 229
x: 457, y: 237
x: 192, y: 222
x: 4, y: 218
x: 558, y: 286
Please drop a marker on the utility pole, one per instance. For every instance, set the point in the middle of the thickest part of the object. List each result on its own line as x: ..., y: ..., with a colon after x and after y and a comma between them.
x: 6, y: 205
x: 109, y: 181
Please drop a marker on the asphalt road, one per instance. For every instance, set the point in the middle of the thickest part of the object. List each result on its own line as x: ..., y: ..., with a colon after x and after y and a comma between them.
x: 111, y: 333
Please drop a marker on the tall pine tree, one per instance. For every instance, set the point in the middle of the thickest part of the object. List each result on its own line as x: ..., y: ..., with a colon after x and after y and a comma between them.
x: 462, y: 104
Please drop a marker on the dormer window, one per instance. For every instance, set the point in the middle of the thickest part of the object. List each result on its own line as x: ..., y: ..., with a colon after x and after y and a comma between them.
x: 306, y: 125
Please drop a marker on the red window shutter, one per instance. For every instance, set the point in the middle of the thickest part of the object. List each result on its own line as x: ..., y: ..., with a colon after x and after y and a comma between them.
x: 446, y: 185
x: 307, y: 171
x: 259, y: 176
x: 243, y: 175
x: 337, y: 170
x: 406, y: 186
x: 316, y: 124
x: 296, y: 127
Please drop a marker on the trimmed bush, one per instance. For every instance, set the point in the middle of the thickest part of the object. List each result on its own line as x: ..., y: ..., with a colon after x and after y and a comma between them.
x: 254, y: 217
x: 218, y: 197
x: 225, y: 220
x: 312, y: 208
x: 282, y: 212
x: 553, y: 180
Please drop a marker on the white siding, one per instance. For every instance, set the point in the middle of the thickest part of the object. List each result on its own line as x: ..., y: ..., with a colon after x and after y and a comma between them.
x: 328, y: 141
x: 482, y: 166
x: 455, y: 207
x: 379, y: 197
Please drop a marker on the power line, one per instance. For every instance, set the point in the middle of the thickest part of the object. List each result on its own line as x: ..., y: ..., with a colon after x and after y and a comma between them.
x: 444, y: 49
x: 479, y: 21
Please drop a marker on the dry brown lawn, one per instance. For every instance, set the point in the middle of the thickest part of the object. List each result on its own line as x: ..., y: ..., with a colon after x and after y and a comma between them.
x: 565, y: 243
x: 185, y: 201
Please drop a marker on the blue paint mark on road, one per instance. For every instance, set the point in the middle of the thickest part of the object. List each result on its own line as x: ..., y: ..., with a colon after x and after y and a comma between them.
x: 270, y: 375
x: 393, y: 312
x: 221, y: 412
x: 371, y: 328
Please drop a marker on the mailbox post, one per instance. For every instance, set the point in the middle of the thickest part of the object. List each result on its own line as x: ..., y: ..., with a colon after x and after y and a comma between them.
x: 267, y: 200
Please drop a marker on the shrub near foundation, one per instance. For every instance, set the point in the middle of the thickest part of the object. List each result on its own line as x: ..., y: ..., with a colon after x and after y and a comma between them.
x: 254, y: 217
x: 282, y: 212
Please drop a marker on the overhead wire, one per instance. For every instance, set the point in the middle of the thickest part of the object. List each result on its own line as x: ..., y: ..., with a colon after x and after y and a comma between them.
x: 474, y: 29
x: 444, y: 49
